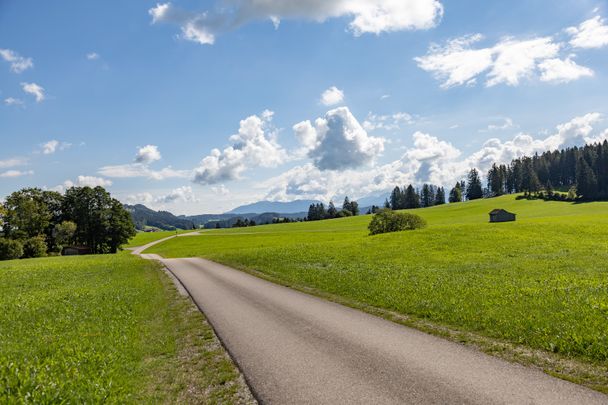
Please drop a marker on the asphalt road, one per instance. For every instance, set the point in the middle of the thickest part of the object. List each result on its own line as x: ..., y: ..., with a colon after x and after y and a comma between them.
x: 294, y: 348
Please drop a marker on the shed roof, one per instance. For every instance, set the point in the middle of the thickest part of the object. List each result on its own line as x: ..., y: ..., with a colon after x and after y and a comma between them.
x: 499, y: 211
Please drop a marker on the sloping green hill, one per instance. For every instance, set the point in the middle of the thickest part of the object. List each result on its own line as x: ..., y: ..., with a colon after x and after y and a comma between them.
x: 540, y: 282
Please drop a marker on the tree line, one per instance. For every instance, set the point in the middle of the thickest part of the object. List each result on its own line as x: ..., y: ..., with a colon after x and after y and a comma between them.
x: 38, y: 222
x: 580, y: 171
x: 409, y: 197
x: 318, y: 211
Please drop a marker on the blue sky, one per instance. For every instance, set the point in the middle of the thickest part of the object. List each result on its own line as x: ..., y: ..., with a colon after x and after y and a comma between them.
x: 136, y: 95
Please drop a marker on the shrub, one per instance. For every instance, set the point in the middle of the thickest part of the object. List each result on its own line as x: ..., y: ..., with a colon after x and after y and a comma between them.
x: 34, y: 247
x: 10, y: 249
x: 391, y: 221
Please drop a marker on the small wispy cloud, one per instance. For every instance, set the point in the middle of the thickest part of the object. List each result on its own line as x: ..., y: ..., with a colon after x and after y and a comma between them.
x: 18, y: 63
x: 34, y: 90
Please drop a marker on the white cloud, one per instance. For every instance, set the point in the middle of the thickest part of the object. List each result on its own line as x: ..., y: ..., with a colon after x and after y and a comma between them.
x: 367, y: 16
x: 562, y: 71
x: 50, y: 147
x: 592, y: 33
x: 428, y: 160
x: 15, y: 173
x: 389, y: 122
x: 12, y: 162
x: 35, y: 90
x: 13, y: 101
x: 456, y: 63
x: 141, y: 167
x: 518, y: 59
x: 338, y: 141
x: 221, y: 190
x: 181, y: 194
x: 332, y: 96
x: 254, y: 145
x: 507, y: 62
x: 459, y: 62
x: 507, y: 123
x: 93, y: 56
x: 147, y: 154
x: 18, y: 63
x: 133, y: 170
x: 88, y: 181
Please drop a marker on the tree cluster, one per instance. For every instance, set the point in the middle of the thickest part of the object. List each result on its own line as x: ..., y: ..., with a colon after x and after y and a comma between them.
x: 582, y: 170
x: 409, y: 197
x: 318, y: 211
x: 37, y: 222
x: 243, y: 223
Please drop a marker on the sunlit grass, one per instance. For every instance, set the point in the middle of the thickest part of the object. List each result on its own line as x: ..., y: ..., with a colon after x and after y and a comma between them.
x: 108, y: 328
x: 541, y: 281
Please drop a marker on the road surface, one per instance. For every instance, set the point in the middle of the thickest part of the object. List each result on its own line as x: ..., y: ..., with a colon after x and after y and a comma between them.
x: 294, y: 348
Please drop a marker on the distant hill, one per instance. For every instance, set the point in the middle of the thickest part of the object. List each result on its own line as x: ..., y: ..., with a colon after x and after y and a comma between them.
x: 377, y: 200
x: 228, y: 220
x: 144, y: 216
x: 261, y: 207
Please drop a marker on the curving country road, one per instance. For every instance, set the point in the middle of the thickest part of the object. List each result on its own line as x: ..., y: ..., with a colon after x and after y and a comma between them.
x: 294, y: 348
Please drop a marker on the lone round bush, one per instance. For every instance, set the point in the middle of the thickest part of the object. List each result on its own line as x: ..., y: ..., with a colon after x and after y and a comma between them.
x: 391, y: 221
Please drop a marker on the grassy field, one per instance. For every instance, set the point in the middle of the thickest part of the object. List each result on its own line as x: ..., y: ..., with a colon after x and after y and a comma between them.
x: 143, y: 238
x: 108, y: 328
x: 539, y: 283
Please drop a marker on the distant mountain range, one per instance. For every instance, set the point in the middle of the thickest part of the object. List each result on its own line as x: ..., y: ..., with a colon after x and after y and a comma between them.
x: 261, y: 207
x: 145, y: 217
x: 262, y: 212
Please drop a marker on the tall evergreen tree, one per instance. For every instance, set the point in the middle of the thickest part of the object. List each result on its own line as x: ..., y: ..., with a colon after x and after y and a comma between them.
x: 412, y: 199
x: 456, y: 193
x: 474, y: 189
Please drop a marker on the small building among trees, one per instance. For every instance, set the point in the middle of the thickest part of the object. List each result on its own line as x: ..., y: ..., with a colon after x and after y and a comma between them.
x: 75, y: 250
x: 500, y: 215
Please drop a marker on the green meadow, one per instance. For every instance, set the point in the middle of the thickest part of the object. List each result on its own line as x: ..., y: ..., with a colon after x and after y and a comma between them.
x: 106, y: 329
x: 540, y: 282
x: 143, y: 238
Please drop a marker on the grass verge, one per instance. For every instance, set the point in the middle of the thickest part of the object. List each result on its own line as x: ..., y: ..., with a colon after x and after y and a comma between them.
x: 108, y: 328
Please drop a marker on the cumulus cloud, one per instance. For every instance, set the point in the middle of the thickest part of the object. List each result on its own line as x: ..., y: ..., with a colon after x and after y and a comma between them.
x: 180, y: 194
x: 337, y: 141
x: 15, y: 173
x: 35, y: 90
x: 88, y: 181
x: 390, y: 122
x: 183, y: 194
x: 592, y: 33
x: 93, y: 56
x: 367, y: 16
x: 428, y: 160
x: 562, y: 71
x: 11, y: 101
x: 461, y: 61
x: 52, y: 146
x: 332, y: 96
x: 147, y: 154
x: 255, y: 145
x: 508, y: 62
x: 18, y: 63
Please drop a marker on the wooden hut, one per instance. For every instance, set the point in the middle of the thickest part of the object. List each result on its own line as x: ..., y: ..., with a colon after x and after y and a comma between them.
x: 500, y: 215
